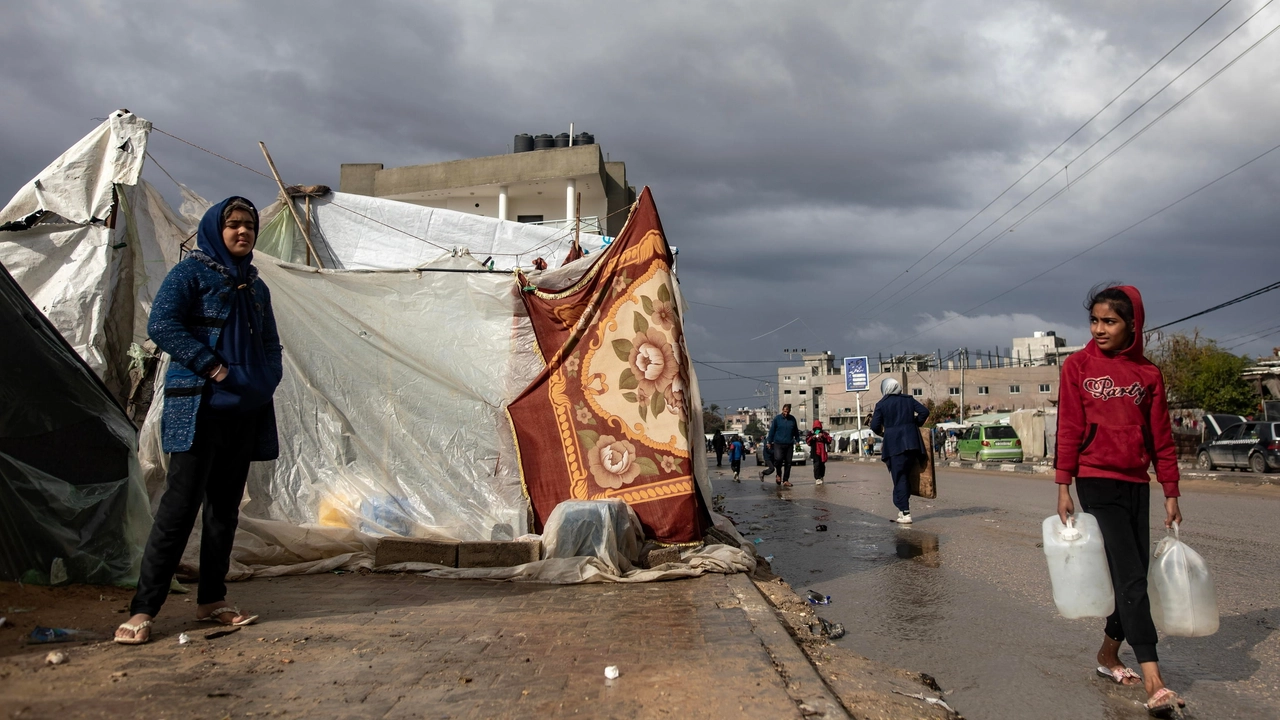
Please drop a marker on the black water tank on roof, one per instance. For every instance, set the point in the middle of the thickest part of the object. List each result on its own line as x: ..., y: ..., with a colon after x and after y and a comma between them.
x: 543, y: 142
x: 562, y: 140
x: 584, y: 139
x: 524, y: 142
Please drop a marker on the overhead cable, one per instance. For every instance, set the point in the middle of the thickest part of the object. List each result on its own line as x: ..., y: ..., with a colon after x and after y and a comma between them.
x: 1046, y: 157
x: 1219, y: 306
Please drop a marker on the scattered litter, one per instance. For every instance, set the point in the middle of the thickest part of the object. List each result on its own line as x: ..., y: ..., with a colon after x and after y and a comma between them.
x: 214, y: 635
x: 16, y: 610
x: 816, y: 598
x: 286, y: 661
x: 768, y: 558
x: 43, y: 635
x: 58, y: 572
x: 932, y: 701
x: 611, y: 672
x: 827, y: 629
x: 57, y: 657
x: 183, y: 638
x: 821, y: 528
x: 987, y: 520
x: 3, y: 620
x: 339, y: 572
x: 758, y: 540
x: 119, y: 674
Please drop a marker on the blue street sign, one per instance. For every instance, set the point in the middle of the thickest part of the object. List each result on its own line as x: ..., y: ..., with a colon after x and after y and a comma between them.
x: 856, y: 377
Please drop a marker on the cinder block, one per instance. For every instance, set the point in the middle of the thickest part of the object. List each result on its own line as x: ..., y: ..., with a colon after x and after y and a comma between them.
x: 497, y: 554
x: 392, y: 550
x: 660, y: 556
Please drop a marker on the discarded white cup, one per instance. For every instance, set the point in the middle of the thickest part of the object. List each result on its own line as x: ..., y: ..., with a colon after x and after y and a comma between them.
x: 57, y: 657
x: 183, y: 638
x: 611, y: 672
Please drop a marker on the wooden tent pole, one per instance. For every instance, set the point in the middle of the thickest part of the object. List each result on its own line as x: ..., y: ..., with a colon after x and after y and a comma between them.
x: 577, y: 222
x: 306, y: 235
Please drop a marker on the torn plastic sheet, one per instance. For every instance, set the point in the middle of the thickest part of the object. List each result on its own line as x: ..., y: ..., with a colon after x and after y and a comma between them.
x: 607, y: 530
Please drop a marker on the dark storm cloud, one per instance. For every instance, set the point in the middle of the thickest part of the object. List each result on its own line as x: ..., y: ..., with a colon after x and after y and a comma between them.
x: 801, y: 155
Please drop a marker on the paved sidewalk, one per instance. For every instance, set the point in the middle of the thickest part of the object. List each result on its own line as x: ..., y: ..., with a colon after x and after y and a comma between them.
x: 403, y: 646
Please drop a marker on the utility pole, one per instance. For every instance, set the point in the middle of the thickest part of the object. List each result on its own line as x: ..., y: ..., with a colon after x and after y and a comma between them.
x: 964, y: 360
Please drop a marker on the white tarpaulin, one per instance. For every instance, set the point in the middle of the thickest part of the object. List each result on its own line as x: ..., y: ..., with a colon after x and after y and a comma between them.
x: 355, y: 232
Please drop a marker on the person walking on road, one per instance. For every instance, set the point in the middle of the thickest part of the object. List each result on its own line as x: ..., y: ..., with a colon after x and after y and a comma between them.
x: 213, y: 316
x: 897, y: 419
x: 717, y: 444
x: 783, y: 435
x: 819, y: 441
x: 736, y: 453
x: 1113, y: 422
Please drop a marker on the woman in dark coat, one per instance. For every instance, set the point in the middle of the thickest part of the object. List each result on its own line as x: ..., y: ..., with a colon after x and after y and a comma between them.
x: 213, y: 316
x: 897, y: 419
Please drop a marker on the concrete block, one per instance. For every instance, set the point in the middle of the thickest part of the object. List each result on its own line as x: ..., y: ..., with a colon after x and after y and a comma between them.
x: 1008, y: 467
x: 497, y: 554
x: 1042, y: 469
x: 979, y: 466
x: 392, y: 550
x: 658, y: 556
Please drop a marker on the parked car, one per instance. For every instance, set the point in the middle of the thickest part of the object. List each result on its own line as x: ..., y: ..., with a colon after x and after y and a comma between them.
x: 1216, y: 423
x: 990, y: 442
x: 799, y: 453
x: 1253, y: 445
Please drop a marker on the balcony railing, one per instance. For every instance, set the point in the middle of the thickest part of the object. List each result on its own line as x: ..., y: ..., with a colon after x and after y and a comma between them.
x: 590, y: 224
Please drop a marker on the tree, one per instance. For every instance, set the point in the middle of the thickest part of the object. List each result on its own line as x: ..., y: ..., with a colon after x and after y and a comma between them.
x: 755, y: 428
x: 1199, y: 374
x: 711, y: 420
x: 941, y: 411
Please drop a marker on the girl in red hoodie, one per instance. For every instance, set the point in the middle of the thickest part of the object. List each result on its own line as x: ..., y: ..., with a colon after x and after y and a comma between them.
x: 1113, y: 422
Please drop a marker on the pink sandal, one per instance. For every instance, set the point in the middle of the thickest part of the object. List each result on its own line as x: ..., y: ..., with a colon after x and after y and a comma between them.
x: 1118, y: 675
x: 1164, y: 704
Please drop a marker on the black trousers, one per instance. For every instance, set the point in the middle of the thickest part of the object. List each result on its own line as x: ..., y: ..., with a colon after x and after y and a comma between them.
x: 782, y: 461
x: 900, y: 470
x: 1122, y: 511
x: 719, y: 456
x: 819, y: 468
x: 212, y: 473
x: 735, y: 466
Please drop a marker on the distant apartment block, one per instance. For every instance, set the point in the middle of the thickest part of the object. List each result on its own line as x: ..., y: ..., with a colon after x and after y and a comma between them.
x: 538, y: 183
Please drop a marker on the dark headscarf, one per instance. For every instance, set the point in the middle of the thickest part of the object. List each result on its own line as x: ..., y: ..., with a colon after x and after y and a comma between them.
x: 240, y: 343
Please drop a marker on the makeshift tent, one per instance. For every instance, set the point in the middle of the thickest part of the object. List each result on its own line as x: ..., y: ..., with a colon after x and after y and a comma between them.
x: 72, y: 502
x: 392, y: 410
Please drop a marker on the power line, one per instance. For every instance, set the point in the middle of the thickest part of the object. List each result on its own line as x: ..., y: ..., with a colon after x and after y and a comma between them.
x: 1088, y: 171
x: 1051, y: 153
x: 1099, y: 244
x: 1219, y: 306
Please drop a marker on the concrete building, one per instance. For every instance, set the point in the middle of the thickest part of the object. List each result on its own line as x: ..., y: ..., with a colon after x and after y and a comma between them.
x: 988, y: 384
x: 1042, y: 348
x: 535, y: 186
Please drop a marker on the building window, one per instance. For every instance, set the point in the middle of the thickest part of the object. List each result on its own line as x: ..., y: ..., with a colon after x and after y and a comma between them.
x: 953, y: 391
x: 801, y: 378
x: 917, y: 391
x: 1044, y: 387
x: 786, y: 392
x: 528, y: 218
x: 1015, y: 389
x: 984, y: 390
x: 802, y: 392
x: 787, y: 377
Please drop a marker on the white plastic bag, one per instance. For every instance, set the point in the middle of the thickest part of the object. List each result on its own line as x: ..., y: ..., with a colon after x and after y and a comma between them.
x: 1183, y: 602
x: 1078, y: 567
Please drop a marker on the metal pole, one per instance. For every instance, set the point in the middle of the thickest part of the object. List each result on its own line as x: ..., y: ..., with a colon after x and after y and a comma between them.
x: 858, y: 396
x: 964, y: 360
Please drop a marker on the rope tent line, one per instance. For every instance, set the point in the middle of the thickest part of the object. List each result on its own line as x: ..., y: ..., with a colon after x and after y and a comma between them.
x: 558, y: 237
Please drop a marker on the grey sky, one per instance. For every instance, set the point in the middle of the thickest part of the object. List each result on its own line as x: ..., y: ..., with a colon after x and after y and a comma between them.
x: 801, y: 154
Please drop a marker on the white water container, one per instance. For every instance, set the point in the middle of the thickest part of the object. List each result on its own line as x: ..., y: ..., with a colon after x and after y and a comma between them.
x: 1078, y: 567
x: 1183, y: 601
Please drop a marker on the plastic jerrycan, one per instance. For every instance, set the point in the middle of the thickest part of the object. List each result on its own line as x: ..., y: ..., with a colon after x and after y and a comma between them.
x: 1183, y: 601
x: 1078, y: 567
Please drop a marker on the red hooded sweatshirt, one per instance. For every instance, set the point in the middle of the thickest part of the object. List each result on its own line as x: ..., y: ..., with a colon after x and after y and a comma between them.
x: 1113, y: 418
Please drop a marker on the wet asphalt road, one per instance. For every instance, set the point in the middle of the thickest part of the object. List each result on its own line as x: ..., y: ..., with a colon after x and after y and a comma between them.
x: 964, y: 593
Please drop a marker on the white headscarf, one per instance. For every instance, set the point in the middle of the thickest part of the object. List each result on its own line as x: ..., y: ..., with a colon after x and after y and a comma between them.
x: 890, y: 386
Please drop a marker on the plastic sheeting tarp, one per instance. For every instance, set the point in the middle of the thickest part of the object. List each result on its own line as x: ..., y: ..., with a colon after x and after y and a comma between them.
x: 71, y: 490
x: 356, y: 232
x: 607, y: 530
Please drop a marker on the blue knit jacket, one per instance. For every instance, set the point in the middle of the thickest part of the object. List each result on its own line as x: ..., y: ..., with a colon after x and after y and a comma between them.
x: 186, y: 319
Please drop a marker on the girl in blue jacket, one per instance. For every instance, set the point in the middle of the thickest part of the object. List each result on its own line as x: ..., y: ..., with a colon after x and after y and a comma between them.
x: 213, y: 316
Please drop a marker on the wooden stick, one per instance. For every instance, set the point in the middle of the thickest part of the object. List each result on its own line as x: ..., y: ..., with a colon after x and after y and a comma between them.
x: 289, y: 203
x: 577, y: 223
